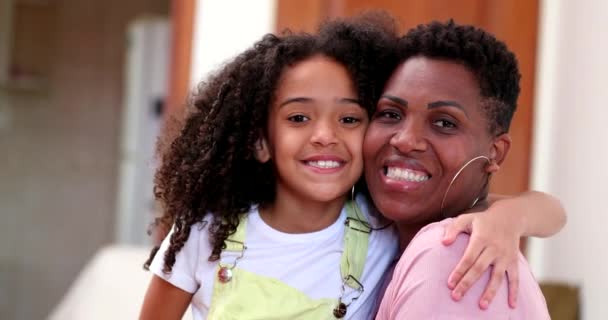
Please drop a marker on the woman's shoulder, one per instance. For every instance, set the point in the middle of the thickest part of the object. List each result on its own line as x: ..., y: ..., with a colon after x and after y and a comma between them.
x: 433, y: 230
x: 429, y: 239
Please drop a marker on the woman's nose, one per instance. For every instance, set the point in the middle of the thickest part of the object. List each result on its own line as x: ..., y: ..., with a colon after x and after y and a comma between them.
x: 409, y: 137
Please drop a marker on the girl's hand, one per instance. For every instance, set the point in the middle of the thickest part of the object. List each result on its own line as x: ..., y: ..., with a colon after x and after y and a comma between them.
x: 494, y: 243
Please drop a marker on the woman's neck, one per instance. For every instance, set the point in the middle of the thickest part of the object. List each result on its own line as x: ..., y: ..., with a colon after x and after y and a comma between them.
x: 291, y: 214
x: 407, y: 230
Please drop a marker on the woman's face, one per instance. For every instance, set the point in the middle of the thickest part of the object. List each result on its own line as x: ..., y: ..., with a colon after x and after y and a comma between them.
x: 428, y: 123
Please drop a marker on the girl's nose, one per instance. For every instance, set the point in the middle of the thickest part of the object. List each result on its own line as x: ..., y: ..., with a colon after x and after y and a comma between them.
x: 324, y: 134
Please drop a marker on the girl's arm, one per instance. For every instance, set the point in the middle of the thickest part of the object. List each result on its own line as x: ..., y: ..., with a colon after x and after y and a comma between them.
x: 164, y: 301
x: 539, y: 214
x: 495, y: 234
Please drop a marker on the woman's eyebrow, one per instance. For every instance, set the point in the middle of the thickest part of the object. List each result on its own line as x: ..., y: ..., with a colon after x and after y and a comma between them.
x: 394, y: 99
x: 443, y: 103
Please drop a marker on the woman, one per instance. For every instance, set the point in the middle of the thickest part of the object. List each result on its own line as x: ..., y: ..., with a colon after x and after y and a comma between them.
x: 440, y: 130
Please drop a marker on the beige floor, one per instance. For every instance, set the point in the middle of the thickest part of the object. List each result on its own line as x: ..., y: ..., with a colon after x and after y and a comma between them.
x: 111, y: 286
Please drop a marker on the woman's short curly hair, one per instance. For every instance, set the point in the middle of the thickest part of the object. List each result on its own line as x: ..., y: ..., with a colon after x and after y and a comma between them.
x: 208, y: 166
x: 488, y: 58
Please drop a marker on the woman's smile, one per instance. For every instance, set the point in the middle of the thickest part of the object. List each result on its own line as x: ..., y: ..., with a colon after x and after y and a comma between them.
x: 404, y: 174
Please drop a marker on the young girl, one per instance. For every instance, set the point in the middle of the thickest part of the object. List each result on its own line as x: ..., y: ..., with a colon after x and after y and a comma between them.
x: 257, y: 181
x: 256, y: 184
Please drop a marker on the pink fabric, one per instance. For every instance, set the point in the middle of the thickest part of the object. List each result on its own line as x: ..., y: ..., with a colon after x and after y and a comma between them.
x: 418, y: 289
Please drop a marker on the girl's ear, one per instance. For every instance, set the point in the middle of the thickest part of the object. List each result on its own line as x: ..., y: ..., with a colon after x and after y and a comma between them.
x: 499, y: 151
x: 261, y: 152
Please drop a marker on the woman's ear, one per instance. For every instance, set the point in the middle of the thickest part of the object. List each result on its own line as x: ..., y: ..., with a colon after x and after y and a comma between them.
x: 261, y: 152
x: 499, y: 151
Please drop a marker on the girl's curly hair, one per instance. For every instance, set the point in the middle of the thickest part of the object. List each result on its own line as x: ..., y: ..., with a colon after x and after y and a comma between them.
x: 208, y: 167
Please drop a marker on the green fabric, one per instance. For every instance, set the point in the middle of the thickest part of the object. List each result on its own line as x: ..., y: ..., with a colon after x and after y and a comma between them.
x: 356, y: 240
x: 236, y: 241
x: 249, y: 296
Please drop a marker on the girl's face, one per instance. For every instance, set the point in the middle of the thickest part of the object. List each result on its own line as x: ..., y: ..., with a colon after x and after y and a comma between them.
x: 315, y: 131
x: 427, y: 125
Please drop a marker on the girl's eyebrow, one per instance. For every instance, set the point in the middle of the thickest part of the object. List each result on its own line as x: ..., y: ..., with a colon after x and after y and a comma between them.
x: 349, y: 100
x: 309, y: 100
x: 295, y: 100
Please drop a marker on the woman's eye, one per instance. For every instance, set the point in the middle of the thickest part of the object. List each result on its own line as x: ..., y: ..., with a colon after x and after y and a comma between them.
x: 350, y: 120
x: 388, y: 114
x: 298, y: 118
x: 444, y: 124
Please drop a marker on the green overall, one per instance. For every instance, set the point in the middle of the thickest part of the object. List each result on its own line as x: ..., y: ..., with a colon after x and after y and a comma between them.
x: 239, y: 294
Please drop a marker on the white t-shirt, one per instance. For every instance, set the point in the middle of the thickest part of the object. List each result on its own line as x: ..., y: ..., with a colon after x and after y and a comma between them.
x: 309, y: 262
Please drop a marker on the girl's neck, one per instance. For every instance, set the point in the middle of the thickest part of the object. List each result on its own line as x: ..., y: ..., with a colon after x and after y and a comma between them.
x: 291, y: 214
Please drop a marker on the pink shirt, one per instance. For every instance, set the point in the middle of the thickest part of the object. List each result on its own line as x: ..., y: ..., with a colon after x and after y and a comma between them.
x: 418, y: 289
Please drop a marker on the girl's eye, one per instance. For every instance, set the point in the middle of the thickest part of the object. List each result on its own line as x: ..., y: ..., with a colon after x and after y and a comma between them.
x: 444, y: 124
x: 298, y: 118
x: 350, y: 120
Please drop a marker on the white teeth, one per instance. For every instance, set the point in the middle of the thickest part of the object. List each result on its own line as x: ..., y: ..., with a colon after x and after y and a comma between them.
x: 327, y: 164
x: 406, y: 174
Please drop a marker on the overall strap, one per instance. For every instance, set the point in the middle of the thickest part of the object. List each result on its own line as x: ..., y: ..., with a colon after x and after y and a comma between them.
x: 356, y: 238
x: 236, y: 241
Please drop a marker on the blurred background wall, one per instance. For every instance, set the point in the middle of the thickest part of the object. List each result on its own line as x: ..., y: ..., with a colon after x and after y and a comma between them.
x: 571, y: 146
x: 60, y: 148
x: 62, y: 108
x: 221, y: 37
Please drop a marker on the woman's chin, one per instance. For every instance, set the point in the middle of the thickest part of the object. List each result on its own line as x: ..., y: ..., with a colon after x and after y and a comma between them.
x: 400, y: 210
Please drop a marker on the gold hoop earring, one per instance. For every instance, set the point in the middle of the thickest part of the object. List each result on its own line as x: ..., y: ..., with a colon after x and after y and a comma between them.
x: 456, y: 176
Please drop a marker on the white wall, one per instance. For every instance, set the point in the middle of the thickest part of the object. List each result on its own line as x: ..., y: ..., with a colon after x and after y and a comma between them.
x: 571, y: 145
x: 224, y: 28
x: 147, y: 65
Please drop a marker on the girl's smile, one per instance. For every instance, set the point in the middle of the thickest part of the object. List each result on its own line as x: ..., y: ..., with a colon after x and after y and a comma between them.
x: 325, y: 164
